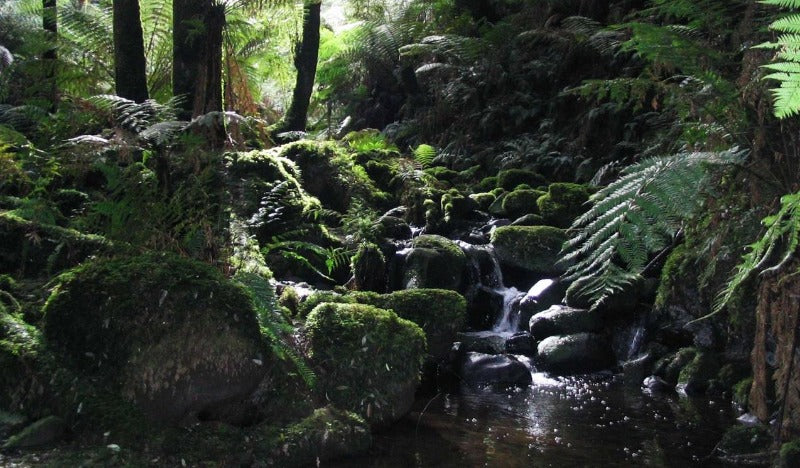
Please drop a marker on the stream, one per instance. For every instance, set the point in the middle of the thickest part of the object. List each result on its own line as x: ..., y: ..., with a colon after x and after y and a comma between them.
x: 568, y: 421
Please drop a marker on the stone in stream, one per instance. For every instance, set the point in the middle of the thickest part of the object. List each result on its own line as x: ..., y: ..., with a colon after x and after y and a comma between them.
x: 486, y: 342
x: 502, y: 369
x: 530, y: 251
x: 434, y: 262
x: 43, y: 432
x: 543, y: 294
x: 563, y: 320
x: 485, y: 306
x: 575, y: 354
x: 521, y: 343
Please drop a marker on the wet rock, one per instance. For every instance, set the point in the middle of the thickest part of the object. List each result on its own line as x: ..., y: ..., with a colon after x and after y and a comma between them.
x: 669, y: 367
x: 656, y: 384
x: 696, y: 375
x: 521, y: 343
x: 43, y: 432
x: 741, y: 440
x: 369, y: 268
x: 478, y: 368
x: 484, y: 307
x: 574, y: 354
x: 541, y: 296
x: 562, y: 203
x: 563, y: 320
x: 635, y: 370
x: 485, y: 342
x: 528, y: 220
x: 521, y: 202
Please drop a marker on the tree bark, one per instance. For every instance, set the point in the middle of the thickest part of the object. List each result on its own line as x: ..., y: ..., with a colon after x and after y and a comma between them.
x: 196, y: 55
x: 130, y: 72
x: 305, y: 62
x: 50, y: 56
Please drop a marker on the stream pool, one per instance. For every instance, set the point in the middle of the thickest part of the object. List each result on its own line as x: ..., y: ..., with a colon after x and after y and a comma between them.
x: 559, y: 422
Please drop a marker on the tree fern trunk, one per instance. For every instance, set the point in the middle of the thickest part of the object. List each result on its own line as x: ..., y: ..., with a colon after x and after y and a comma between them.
x: 188, y: 47
x: 777, y: 342
x: 305, y: 62
x: 50, y: 56
x: 130, y: 73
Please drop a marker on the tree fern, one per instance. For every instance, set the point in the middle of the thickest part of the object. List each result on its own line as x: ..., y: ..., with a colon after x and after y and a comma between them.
x: 787, y: 70
x: 635, y: 217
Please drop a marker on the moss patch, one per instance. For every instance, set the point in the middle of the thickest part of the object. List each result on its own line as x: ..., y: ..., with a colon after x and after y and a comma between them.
x: 562, y: 203
x: 511, y: 178
x: 369, y: 359
x: 521, y: 202
x: 531, y: 248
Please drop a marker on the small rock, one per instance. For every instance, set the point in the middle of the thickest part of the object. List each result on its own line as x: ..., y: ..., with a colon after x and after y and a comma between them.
x: 43, y: 432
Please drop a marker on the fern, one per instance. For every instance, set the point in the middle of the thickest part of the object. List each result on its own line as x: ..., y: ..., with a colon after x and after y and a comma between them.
x: 635, y: 217
x: 425, y: 154
x: 786, y: 71
x: 273, y: 326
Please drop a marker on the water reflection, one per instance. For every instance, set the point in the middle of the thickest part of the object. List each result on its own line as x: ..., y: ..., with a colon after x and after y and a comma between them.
x: 587, y: 421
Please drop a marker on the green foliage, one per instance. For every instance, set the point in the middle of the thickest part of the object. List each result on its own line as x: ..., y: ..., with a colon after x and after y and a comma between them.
x: 787, y: 70
x: 368, y: 140
x: 634, y: 217
x: 424, y: 154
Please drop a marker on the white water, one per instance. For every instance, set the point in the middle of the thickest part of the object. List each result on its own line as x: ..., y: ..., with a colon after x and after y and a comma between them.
x: 508, y: 322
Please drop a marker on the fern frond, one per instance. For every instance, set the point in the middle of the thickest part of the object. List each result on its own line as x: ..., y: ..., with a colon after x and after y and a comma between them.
x: 634, y: 217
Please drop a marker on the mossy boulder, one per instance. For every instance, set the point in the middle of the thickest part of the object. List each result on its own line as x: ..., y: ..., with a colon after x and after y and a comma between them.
x: 442, y: 173
x: 742, y: 440
x: 23, y: 377
x: 434, y: 262
x: 533, y: 249
x: 511, y: 178
x: 483, y: 200
x: 43, y: 432
x: 324, y: 172
x: 573, y: 354
x: 393, y: 227
x: 368, y: 359
x: 521, y: 202
x: 488, y: 183
x: 327, y: 434
x: 170, y: 334
x: 33, y: 249
x: 695, y: 377
x: 563, y: 320
x: 369, y: 268
x: 669, y: 367
x: 455, y: 205
x: 562, y: 203
x: 789, y: 455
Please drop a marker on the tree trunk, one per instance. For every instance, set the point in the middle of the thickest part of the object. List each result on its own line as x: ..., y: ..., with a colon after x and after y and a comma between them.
x: 50, y: 56
x: 197, y: 63
x: 305, y: 62
x: 130, y: 73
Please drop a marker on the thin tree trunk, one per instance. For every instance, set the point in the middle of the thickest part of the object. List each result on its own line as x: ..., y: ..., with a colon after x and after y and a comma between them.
x: 130, y: 72
x: 50, y: 56
x: 305, y: 62
x: 188, y: 47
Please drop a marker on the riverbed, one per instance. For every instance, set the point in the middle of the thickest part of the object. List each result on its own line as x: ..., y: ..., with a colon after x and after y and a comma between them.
x: 560, y: 422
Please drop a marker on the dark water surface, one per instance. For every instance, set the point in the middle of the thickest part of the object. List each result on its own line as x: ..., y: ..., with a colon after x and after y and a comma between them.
x: 564, y: 422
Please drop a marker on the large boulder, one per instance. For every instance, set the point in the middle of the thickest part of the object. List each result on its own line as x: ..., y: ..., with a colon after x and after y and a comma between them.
x: 485, y: 342
x: 574, y: 354
x: 533, y: 249
x: 368, y: 359
x: 562, y: 203
x: 168, y: 333
x: 502, y: 369
x: 521, y: 202
x: 434, y: 262
x: 540, y: 297
x: 563, y: 320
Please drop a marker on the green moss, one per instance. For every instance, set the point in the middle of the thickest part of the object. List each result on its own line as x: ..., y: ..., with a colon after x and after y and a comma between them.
x: 21, y: 371
x: 455, y: 205
x: 740, y: 440
x: 741, y: 392
x: 370, y: 358
x: 510, y: 178
x: 326, y: 434
x: 442, y: 173
x: 532, y: 248
x: 321, y: 297
x: 521, y: 202
x: 562, y: 203
x: 669, y: 367
x: 789, y: 454
x: 369, y: 268
x: 696, y: 375
x: 434, y: 262
x: 672, y: 273
x: 32, y: 249
x: 149, y: 326
x: 488, y: 184
x: 483, y: 200
x: 290, y: 300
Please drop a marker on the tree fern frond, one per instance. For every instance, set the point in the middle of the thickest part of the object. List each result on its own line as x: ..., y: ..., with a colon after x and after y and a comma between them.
x: 787, y: 24
x: 635, y: 217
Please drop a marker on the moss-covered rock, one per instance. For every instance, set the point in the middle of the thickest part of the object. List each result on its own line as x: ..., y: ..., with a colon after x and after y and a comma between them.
x: 455, y: 205
x: 562, y: 203
x: 789, y: 455
x: 393, y: 227
x: 571, y: 354
x: 32, y: 249
x: 741, y: 440
x: 521, y: 202
x: 440, y: 313
x: 510, y: 178
x: 483, y: 200
x: 669, y: 367
x: 434, y: 262
x: 369, y: 268
x: 528, y: 220
x: 531, y: 248
x: 496, y: 207
x: 741, y: 392
x: 442, y: 173
x: 325, y: 435
x: 22, y: 375
x: 43, y: 432
x: 695, y: 376
x: 488, y: 183
x: 368, y: 359
x: 171, y: 334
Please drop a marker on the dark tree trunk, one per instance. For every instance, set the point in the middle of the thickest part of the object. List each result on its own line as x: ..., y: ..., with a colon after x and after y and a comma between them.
x: 130, y: 73
x: 305, y: 61
x: 50, y: 56
x: 196, y: 55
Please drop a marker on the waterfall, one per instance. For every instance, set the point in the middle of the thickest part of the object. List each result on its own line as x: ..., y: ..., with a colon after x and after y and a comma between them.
x: 508, y: 322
